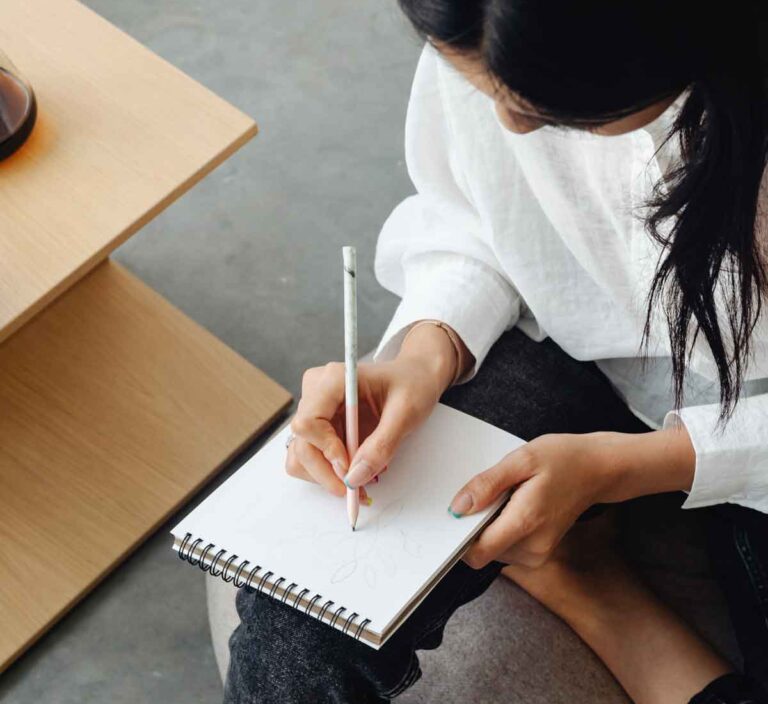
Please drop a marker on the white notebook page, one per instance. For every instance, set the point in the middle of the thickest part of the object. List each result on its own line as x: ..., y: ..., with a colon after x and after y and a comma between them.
x: 299, y: 531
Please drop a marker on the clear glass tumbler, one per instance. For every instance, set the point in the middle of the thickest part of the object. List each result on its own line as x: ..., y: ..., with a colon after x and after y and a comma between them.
x: 18, y: 108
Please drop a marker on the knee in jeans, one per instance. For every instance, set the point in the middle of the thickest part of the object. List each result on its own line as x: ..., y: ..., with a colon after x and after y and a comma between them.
x: 269, y: 621
x: 260, y: 613
x: 282, y: 655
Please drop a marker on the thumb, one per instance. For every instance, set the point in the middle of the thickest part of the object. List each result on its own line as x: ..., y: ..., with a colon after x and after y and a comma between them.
x: 378, y: 448
x: 484, y: 488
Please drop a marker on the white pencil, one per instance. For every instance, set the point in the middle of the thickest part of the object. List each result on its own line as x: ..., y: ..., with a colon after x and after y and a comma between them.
x: 349, y: 256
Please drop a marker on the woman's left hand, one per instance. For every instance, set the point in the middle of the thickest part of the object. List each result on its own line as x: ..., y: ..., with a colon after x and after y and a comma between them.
x: 557, y: 477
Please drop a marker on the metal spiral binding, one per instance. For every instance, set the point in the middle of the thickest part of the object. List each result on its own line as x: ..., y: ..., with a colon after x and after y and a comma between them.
x: 233, y: 571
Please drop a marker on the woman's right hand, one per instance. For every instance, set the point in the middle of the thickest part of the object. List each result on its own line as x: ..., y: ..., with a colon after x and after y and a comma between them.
x: 394, y: 398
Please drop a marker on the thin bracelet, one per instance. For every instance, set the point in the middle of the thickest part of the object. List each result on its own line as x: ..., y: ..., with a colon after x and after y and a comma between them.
x: 453, y: 337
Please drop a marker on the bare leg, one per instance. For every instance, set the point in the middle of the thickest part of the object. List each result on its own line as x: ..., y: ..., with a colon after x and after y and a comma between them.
x: 653, y: 654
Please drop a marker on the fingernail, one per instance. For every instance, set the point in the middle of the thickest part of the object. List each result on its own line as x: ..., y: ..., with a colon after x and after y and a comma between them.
x: 339, y: 468
x: 359, y: 473
x: 460, y: 505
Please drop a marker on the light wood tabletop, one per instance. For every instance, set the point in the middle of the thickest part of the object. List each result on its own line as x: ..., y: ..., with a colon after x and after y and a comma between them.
x: 120, y: 135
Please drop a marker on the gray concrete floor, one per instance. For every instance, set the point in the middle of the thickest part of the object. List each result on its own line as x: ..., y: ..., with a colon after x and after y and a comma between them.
x: 252, y: 253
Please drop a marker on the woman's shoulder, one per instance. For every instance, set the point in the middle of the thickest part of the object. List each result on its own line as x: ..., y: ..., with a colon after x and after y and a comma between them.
x: 436, y: 78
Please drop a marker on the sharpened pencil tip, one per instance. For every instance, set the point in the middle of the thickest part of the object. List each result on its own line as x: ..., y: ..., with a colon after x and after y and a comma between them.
x: 353, y: 529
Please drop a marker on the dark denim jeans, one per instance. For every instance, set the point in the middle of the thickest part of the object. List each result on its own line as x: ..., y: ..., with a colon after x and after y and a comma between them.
x: 737, y: 538
x: 527, y: 388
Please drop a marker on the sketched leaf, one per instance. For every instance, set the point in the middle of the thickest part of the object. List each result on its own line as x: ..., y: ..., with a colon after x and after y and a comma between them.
x: 344, y: 571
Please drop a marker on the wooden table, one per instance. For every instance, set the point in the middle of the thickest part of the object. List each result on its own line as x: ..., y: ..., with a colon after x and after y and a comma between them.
x: 114, y: 406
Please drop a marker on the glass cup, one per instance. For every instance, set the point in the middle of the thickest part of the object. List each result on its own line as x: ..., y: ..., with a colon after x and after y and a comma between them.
x: 18, y: 108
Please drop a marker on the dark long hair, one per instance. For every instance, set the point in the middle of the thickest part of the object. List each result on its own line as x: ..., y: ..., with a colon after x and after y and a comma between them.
x: 594, y: 61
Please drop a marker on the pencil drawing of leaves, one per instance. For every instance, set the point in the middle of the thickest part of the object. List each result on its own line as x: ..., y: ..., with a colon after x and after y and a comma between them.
x: 369, y: 554
x: 411, y: 546
x: 344, y: 571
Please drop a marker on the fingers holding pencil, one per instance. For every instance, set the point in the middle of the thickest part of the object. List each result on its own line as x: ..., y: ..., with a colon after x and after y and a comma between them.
x: 321, y: 418
x: 303, y: 461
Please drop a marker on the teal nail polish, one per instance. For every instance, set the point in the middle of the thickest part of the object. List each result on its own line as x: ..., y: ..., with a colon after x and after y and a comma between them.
x: 461, y: 505
x: 347, y: 484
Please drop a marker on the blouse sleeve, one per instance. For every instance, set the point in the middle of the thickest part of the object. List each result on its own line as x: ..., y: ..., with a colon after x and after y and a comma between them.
x: 432, y: 250
x: 732, y: 464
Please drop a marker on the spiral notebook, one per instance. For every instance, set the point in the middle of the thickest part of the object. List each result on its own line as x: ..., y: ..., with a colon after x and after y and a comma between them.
x: 291, y: 540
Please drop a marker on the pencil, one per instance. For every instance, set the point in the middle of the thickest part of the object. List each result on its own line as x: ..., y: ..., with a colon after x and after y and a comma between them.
x: 349, y: 256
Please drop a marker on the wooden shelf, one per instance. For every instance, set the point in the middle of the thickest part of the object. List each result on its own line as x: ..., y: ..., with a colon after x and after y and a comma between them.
x: 115, y: 408
x: 120, y: 135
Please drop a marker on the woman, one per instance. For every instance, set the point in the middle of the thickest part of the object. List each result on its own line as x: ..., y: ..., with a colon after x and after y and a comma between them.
x: 585, y: 264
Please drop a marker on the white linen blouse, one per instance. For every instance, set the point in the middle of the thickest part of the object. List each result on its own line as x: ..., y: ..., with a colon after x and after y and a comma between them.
x: 545, y: 231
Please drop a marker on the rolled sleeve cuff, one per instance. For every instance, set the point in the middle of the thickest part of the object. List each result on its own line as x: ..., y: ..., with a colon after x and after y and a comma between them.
x: 459, y: 291
x: 731, y: 464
